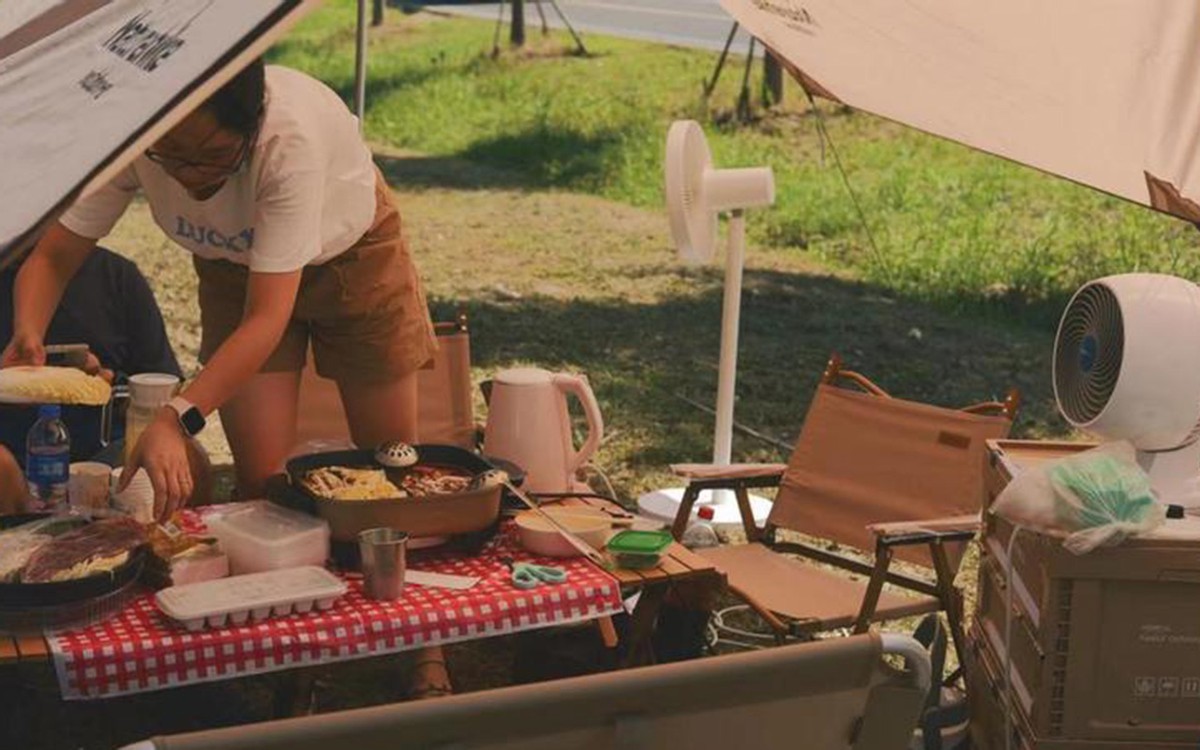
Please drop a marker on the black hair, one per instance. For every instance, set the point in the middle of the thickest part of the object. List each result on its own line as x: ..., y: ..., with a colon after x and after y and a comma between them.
x: 238, y: 104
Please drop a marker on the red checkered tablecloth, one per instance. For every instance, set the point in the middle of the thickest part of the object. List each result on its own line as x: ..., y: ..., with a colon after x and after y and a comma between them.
x: 141, y: 649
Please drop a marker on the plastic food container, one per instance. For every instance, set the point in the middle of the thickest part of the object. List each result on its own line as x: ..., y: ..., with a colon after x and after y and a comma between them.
x: 259, y: 536
x: 256, y: 596
x: 639, y: 549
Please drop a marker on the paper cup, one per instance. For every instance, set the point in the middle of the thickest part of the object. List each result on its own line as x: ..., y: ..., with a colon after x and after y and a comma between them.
x: 152, y: 389
x: 89, y: 484
x: 137, y: 501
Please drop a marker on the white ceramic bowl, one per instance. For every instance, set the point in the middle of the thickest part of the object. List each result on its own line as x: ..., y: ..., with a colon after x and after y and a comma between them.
x: 541, y: 538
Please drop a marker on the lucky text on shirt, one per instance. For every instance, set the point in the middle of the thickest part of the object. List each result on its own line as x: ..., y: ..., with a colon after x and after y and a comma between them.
x: 234, y: 243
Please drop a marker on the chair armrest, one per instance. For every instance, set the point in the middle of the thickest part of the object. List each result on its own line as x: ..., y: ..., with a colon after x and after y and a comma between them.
x: 949, y: 529
x: 731, y: 471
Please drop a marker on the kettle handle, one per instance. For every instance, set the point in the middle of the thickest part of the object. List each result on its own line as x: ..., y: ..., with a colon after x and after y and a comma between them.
x: 579, y: 385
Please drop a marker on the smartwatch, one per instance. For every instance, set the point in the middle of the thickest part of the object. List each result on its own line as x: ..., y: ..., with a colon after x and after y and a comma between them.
x: 190, y: 418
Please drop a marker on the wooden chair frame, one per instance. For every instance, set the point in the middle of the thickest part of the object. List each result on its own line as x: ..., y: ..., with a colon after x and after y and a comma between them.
x: 936, y: 534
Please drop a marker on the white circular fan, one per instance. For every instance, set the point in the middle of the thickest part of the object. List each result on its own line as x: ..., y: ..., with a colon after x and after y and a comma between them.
x: 1127, y: 367
x: 696, y: 194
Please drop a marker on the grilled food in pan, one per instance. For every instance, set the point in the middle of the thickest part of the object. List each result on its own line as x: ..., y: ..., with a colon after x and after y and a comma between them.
x: 353, y: 491
x: 78, y: 562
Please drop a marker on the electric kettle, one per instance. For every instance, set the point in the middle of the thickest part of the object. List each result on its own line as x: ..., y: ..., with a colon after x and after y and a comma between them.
x: 529, y: 425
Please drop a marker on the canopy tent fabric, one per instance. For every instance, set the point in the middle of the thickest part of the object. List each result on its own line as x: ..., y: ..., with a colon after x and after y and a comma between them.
x: 86, y: 85
x: 1102, y: 92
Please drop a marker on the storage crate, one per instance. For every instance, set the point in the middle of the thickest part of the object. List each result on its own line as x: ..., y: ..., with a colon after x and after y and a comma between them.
x: 1104, y: 646
x: 986, y: 700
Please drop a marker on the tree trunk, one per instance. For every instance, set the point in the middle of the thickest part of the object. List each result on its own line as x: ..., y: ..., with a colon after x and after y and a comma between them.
x: 377, y: 13
x: 517, y: 35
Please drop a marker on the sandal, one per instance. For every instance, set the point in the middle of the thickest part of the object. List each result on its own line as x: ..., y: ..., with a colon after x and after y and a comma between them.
x: 423, y: 687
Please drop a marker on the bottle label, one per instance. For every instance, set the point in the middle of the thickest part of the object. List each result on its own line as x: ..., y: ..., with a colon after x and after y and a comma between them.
x: 48, y: 469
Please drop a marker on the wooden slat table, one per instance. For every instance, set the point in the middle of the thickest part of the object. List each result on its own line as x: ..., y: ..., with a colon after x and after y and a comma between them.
x: 678, y: 566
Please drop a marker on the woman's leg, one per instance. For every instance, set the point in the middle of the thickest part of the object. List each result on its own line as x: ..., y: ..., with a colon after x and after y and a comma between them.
x: 381, y: 411
x: 260, y: 423
x: 389, y: 412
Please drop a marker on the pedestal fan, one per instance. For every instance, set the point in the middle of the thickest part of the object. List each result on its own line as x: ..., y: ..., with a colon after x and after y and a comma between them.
x: 696, y: 194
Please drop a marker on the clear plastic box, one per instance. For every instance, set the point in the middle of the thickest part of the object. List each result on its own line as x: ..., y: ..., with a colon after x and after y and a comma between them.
x: 259, y: 536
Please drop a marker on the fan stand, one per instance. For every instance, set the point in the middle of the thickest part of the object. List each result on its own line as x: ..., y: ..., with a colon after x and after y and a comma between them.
x: 664, y: 504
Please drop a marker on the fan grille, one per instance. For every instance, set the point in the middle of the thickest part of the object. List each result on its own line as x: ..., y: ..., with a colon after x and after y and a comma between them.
x: 1091, y: 346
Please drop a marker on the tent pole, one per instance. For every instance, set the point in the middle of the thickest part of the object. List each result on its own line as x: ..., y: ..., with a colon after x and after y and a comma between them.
x: 743, y: 103
x: 716, y: 76
x: 499, y: 24
x: 567, y: 22
x: 360, y: 65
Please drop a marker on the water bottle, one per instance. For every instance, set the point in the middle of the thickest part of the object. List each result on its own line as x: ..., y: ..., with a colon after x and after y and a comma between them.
x: 701, y: 532
x: 48, y: 461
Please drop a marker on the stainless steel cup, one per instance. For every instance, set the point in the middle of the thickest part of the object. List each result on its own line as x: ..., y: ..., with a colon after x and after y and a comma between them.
x: 383, y: 562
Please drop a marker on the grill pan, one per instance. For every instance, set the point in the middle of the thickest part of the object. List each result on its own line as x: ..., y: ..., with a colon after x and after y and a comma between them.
x: 433, y: 515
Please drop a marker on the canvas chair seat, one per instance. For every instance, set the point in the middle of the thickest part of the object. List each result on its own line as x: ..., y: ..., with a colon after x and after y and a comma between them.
x: 818, y: 598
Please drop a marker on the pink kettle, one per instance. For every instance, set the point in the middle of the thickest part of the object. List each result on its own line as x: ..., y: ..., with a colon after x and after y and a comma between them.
x: 529, y: 425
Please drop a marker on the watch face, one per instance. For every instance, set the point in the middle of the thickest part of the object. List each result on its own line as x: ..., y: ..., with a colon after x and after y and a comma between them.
x: 192, y: 421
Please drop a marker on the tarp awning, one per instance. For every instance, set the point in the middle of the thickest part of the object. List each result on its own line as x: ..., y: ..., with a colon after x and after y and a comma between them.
x: 1102, y: 92
x: 86, y: 85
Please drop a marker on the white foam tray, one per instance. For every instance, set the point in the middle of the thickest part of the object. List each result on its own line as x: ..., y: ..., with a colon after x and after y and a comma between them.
x: 252, y: 596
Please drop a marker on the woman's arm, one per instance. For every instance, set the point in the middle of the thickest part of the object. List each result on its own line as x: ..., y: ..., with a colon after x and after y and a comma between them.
x: 39, y: 287
x: 162, y: 448
x: 270, y: 298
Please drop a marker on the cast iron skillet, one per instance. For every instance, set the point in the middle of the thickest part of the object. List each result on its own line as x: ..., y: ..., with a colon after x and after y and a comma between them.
x: 20, y: 595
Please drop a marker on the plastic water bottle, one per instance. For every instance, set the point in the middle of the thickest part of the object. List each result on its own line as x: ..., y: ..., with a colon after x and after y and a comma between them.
x: 701, y: 532
x: 48, y: 460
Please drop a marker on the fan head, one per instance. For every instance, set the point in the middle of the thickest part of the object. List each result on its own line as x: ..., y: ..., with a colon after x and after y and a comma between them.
x: 693, y: 223
x: 1127, y: 360
x: 696, y: 192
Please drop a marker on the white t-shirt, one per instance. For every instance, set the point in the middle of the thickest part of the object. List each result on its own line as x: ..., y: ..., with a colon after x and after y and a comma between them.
x: 305, y: 195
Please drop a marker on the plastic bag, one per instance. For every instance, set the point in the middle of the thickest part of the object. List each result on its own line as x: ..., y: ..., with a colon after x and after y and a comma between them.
x: 1097, y: 497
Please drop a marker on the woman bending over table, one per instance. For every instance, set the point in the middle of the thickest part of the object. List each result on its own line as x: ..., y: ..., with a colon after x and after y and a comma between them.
x: 295, y: 239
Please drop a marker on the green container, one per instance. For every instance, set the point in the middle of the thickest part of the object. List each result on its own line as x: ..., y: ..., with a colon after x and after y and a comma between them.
x: 639, y: 549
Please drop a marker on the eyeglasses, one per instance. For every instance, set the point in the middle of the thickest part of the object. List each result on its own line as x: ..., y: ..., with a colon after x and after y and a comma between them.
x: 170, y: 162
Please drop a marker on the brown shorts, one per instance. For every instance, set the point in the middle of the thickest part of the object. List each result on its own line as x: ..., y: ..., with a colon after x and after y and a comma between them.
x: 364, y: 311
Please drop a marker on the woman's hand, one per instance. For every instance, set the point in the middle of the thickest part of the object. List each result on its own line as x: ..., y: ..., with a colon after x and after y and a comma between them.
x: 92, y: 366
x: 24, y: 349
x: 162, y: 452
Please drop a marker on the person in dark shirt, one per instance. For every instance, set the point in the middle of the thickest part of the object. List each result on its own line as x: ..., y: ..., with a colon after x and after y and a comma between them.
x: 109, y: 306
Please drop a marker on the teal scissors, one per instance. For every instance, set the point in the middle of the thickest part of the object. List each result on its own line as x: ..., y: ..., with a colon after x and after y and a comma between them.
x: 530, y: 576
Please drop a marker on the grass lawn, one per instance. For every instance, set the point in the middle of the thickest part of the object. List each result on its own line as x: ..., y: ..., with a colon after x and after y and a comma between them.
x: 955, y: 227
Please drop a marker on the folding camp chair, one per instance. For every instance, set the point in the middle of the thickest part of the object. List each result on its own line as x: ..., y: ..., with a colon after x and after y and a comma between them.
x: 446, y: 410
x: 833, y: 695
x: 868, y: 472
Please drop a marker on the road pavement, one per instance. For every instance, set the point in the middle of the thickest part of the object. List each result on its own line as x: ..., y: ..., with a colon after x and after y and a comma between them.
x: 689, y: 23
